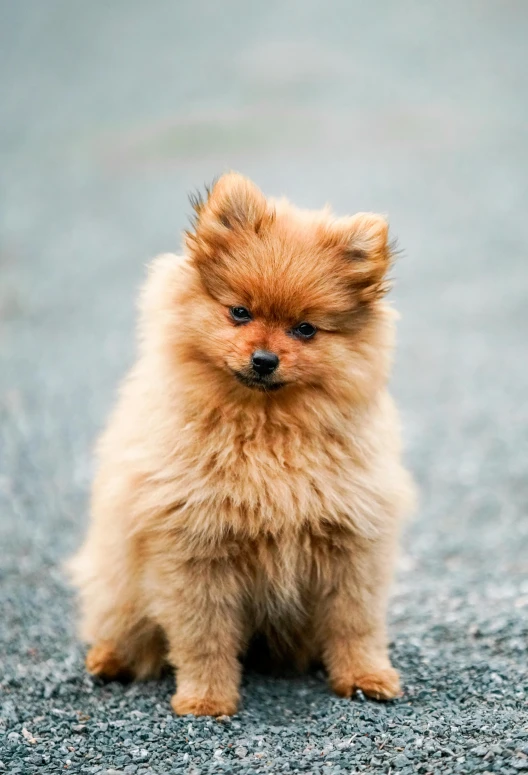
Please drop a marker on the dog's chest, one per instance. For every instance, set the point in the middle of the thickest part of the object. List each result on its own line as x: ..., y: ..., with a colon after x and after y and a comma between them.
x: 271, y: 483
x: 282, y: 573
x: 277, y: 514
x: 280, y: 521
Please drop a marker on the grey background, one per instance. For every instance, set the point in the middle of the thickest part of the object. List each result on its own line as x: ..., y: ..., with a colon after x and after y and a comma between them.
x: 109, y: 114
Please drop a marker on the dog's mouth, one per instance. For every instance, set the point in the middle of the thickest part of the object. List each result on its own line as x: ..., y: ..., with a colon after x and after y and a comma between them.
x: 253, y: 381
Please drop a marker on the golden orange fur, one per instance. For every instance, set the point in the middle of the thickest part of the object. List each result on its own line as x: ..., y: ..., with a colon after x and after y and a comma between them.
x: 227, y: 504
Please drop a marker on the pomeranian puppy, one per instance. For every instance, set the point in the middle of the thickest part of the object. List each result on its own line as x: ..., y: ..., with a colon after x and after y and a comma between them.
x: 250, y: 479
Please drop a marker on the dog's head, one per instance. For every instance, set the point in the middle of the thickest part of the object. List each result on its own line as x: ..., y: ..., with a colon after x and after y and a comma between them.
x: 288, y: 297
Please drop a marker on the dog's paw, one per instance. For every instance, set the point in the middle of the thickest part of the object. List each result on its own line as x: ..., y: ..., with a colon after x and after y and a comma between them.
x: 377, y: 683
x: 103, y: 661
x: 203, y: 706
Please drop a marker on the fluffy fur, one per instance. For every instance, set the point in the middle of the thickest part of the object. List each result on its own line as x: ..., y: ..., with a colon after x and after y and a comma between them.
x: 222, y: 508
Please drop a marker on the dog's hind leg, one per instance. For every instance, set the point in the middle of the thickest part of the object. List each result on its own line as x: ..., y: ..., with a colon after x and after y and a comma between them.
x: 125, y: 643
x: 140, y: 654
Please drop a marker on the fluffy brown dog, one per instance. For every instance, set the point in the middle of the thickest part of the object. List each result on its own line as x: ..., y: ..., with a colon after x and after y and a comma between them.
x: 250, y: 477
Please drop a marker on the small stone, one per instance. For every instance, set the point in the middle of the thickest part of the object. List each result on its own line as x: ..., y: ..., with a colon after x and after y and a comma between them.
x: 139, y: 754
x: 241, y: 752
x: 29, y: 737
x: 401, y: 761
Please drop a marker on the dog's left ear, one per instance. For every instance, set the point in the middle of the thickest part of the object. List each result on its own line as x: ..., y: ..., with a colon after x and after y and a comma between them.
x: 363, y: 242
x: 233, y: 205
x: 367, y: 235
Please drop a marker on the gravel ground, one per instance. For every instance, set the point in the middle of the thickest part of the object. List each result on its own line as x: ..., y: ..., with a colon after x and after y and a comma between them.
x: 110, y: 113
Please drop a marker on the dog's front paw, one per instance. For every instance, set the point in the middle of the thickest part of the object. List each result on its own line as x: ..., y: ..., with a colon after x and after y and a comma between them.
x: 182, y: 704
x: 377, y: 683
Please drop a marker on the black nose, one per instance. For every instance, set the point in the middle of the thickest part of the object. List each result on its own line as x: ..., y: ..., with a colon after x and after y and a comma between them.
x: 264, y: 362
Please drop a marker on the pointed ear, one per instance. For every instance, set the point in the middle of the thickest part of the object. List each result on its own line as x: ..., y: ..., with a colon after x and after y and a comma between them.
x: 363, y: 241
x: 233, y: 205
x: 368, y: 235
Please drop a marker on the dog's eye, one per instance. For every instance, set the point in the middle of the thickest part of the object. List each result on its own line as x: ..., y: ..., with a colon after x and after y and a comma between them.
x: 304, y: 331
x: 240, y: 314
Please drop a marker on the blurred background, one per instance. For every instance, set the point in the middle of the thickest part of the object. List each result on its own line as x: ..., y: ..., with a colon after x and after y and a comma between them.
x: 110, y: 113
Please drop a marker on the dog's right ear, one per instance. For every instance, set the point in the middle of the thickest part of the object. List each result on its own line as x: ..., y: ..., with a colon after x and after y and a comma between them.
x: 233, y: 206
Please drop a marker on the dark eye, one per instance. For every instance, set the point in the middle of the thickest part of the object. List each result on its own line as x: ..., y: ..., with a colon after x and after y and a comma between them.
x: 240, y: 314
x: 304, y: 330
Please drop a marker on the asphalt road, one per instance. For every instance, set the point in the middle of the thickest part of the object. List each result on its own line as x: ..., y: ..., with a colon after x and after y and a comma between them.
x: 109, y: 114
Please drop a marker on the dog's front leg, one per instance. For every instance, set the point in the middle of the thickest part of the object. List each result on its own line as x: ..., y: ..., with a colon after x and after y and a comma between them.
x: 350, y: 621
x: 202, y: 616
